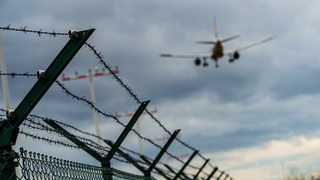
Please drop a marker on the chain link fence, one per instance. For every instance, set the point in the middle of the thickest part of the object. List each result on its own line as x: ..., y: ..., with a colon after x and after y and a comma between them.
x: 36, y: 166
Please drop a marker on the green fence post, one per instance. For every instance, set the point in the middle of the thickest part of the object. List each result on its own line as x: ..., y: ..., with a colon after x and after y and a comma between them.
x: 157, y: 169
x: 74, y: 139
x: 171, y: 170
x: 163, y: 150
x: 186, y: 164
x: 126, y: 156
x: 9, y: 129
x: 215, y: 169
x: 220, y: 175
x: 106, y: 160
x: 205, y: 163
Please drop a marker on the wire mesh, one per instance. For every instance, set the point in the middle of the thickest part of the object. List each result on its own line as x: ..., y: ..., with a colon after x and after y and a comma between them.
x: 36, y: 166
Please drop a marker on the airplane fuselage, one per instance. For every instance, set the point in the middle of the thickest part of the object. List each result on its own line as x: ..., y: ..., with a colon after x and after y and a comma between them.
x: 217, y: 51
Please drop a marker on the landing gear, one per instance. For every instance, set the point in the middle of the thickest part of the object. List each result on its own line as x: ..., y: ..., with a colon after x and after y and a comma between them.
x: 198, y: 61
x: 205, y: 63
x: 233, y: 57
x: 216, y: 63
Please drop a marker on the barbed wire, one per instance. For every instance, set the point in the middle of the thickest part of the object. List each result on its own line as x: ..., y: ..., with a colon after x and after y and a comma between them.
x: 88, y: 142
x: 34, y: 124
x: 122, y: 84
x: 31, y: 123
x: 83, y: 99
x: 39, y: 32
x: 89, y: 103
x: 133, y: 95
x: 95, y: 136
x: 63, y: 143
x: 13, y: 75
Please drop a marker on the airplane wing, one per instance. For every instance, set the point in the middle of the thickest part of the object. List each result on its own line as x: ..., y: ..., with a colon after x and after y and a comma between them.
x: 250, y: 45
x: 207, y: 55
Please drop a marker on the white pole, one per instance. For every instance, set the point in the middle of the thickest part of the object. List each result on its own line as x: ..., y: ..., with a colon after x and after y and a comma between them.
x: 4, y: 79
x: 282, y: 171
x: 139, y: 140
x: 94, y: 112
x: 5, y: 90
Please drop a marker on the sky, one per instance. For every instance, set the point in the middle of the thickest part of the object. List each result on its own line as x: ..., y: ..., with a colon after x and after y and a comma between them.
x: 256, y: 118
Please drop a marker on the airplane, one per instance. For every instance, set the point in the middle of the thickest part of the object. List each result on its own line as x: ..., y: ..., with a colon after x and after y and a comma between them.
x: 217, y: 51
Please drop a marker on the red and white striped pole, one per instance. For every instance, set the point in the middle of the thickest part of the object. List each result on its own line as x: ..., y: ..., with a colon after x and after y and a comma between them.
x: 90, y: 76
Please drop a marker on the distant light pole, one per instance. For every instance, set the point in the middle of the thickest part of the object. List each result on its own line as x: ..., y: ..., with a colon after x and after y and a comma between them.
x: 5, y: 87
x: 90, y: 76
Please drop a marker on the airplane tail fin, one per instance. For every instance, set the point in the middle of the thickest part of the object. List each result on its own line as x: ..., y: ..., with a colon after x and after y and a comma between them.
x: 216, y: 35
x: 215, y: 28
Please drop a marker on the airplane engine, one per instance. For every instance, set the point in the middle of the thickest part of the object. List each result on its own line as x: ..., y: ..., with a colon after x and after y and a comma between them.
x: 197, y: 61
x: 236, y: 55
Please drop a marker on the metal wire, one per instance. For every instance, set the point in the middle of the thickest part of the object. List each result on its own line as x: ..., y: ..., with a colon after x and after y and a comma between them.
x: 33, y: 124
x: 122, y: 84
x: 133, y: 95
x: 83, y: 99
x: 40, y: 166
x: 39, y: 32
x: 13, y: 75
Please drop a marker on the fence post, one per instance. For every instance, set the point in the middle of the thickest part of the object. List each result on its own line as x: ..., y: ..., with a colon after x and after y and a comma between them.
x: 171, y: 170
x: 163, y: 150
x: 157, y: 169
x: 205, y: 163
x: 106, y: 160
x: 126, y: 156
x: 74, y: 139
x: 220, y: 175
x: 186, y: 164
x: 9, y: 129
x: 215, y: 169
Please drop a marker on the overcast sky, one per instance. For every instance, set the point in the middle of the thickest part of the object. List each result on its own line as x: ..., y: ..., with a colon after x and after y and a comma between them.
x: 257, y: 117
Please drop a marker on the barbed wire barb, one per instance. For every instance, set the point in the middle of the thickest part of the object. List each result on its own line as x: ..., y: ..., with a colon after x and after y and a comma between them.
x: 39, y: 32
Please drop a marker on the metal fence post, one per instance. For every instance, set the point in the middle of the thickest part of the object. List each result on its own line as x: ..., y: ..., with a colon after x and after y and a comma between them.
x: 171, y: 170
x: 215, y: 169
x: 9, y: 129
x: 204, y: 164
x: 106, y: 160
x: 163, y: 150
x: 186, y: 164
x: 220, y: 175
x: 126, y: 156
x: 157, y: 169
